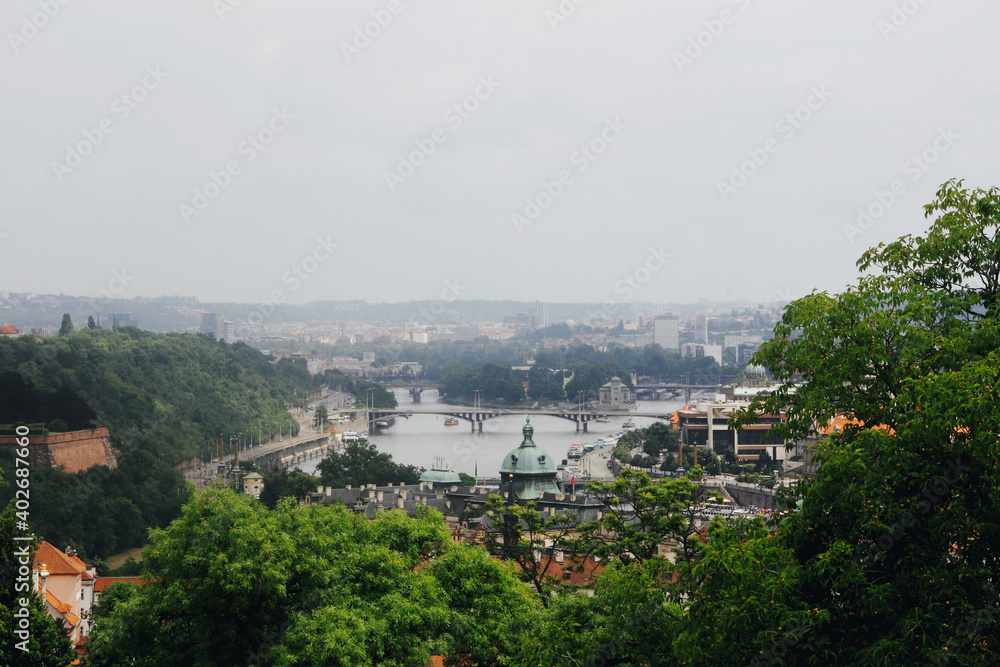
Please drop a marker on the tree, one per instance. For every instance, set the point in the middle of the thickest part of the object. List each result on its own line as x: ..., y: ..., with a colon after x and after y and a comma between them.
x: 638, y: 515
x: 283, y: 483
x: 320, y: 419
x: 91, y: 324
x: 522, y: 534
x: 630, y: 620
x: 233, y: 583
x: 658, y: 437
x: 66, y: 326
x: 361, y: 463
x: 892, y: 541
x: 492, y: 610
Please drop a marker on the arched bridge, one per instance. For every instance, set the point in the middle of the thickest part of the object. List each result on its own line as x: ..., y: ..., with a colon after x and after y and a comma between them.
x: 477, y: 417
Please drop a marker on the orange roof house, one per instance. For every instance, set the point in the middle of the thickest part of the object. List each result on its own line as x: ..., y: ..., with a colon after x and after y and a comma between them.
x: 64, y: 580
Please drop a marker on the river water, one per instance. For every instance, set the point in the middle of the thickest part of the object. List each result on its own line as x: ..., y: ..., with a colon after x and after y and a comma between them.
x: 419, y: 440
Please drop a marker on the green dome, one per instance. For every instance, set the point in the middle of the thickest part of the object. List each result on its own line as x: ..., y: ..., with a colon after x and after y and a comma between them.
x: 528, y: 459
x: 441, y: 477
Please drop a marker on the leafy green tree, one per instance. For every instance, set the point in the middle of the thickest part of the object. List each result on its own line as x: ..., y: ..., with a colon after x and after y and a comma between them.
x: 67, y: 325
x: 629, y: 620
x: 639, y: 514
x: 321, y: 417
x: 233, y: 583
x: 362, y: 463
x: 892, y: 540
x: 522, y: 534
x: 743, y: 603
x: 492, y: 610
x: 91, y: 324
x: 657, y: 437
x: 283, y: 483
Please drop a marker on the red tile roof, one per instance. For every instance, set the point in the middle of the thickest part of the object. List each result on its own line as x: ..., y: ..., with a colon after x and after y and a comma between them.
x: 58, y: 562
x: 61, y: 607
x: 101, y: 583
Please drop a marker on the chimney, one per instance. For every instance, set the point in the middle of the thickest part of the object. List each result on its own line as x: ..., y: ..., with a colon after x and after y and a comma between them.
x: 43, y: 574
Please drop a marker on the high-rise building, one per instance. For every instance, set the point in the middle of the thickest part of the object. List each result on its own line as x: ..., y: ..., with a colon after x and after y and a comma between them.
x: 228, y: 332
x: 211, y: 323
x: 666, y: 331
x: 119, y: 320
x: 699, y: 350
x: 701, y: 328
x: 541, y: 315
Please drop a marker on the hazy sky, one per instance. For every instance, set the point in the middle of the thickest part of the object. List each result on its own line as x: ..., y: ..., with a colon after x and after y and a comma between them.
x: 398, y: 150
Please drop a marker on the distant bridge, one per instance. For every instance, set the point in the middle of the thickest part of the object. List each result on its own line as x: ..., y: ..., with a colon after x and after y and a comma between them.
x: 476, y: 417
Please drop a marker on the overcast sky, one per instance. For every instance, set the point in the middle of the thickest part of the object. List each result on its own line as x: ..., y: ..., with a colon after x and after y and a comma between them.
x: 244, y: 151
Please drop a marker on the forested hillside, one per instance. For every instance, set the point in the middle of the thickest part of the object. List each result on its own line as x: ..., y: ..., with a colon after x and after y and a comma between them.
x: 164, y: 398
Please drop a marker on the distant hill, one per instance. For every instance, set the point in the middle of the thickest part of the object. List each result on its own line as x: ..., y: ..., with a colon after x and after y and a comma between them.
x: 183, y: 314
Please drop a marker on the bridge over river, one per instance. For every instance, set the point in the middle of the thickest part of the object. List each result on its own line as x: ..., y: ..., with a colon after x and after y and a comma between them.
x: 476, y: 416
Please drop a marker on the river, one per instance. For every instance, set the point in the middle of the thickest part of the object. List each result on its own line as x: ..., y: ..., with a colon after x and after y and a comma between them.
x: 420, y: 439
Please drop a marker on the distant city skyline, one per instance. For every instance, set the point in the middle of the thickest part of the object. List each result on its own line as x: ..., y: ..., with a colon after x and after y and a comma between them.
x: 271, y: 154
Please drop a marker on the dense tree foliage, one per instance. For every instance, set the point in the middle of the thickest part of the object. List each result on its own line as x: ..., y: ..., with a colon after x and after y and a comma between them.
x: 163, y: 398
x: 526, y: 536
x: 232, y: 582
x: 893, y: 543
x: 283, y: 483
x: 630, y: 620
x: 171, y: 395
x: 495, y: 382
x: 102, y: 511
x: 361, y: 463
x: 379, y: 396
